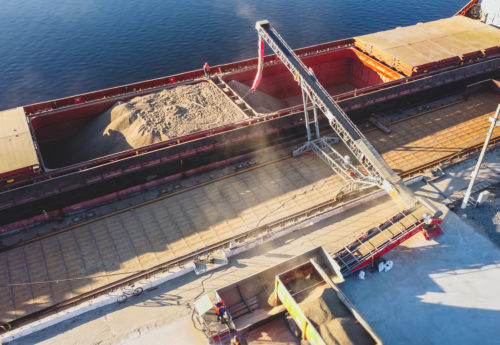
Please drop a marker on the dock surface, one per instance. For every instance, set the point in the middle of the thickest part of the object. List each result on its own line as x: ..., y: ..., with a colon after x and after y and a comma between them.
x: 434, y: 134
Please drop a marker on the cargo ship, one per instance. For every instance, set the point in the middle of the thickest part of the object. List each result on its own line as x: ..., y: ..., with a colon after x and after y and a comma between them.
x: 366, y: 75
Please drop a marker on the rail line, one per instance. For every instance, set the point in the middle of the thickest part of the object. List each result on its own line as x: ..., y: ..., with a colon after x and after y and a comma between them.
x: 274, y: 225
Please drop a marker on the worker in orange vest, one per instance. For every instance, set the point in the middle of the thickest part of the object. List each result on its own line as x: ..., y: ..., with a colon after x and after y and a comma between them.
x: 220, y: 309
x: 206, y: 69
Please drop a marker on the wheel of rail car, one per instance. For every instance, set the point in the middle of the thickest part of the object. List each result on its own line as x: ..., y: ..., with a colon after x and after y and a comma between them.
x: 138, y: 291
x: 122, y: 298
x: 293, y: 327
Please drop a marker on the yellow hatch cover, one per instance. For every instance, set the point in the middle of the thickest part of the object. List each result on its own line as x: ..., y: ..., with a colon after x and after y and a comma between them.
x: 412, y: 46
x: 17, y: 149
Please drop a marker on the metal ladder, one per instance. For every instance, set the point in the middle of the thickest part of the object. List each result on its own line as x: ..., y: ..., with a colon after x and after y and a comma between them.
x: 234, y: 97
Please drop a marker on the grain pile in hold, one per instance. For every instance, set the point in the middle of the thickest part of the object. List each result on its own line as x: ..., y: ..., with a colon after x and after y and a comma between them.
x: 260, y: 101
x: 332, y: 319
x: 153, y: 118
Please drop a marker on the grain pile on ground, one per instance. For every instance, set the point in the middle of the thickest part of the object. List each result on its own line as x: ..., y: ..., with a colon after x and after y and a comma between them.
x: 331, y: 317
x: 153, y: 118
x: 261, y: 102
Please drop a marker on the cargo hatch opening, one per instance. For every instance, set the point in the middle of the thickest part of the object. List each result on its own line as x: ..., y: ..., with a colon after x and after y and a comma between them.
x: 341, y: 72
x: 80, y: 134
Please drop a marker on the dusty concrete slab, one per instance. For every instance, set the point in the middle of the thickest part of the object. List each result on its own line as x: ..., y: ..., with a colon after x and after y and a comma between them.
x: 439, y: 292
x: 486, y: 217
x: 170, y: 334
x: 442, y: 291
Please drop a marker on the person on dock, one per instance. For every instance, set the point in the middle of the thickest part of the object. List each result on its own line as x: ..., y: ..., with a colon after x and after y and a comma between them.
x: 206, y: 70
x: 220, y: 310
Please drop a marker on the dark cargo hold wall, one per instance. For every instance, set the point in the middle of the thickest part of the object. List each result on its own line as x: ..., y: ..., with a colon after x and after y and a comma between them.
x: 51, y: 130
x: 339, y: 71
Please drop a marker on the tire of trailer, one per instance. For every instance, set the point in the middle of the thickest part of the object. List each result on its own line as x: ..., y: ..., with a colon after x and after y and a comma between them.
x: 293, y: 327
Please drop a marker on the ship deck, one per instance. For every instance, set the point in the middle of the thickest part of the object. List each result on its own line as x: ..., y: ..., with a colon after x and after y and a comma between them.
x: 69, y: 263
x: 432, y: 135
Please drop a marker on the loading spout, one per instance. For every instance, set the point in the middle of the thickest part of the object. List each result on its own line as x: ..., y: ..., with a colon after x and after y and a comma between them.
x: 378, y: 171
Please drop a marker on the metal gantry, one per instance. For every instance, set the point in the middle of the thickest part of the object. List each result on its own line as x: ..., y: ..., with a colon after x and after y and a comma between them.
x: 377, y: 171
x: 323, y: 147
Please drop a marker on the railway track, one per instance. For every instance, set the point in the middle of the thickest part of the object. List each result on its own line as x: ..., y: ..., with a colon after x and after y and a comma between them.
x: 135, y: 243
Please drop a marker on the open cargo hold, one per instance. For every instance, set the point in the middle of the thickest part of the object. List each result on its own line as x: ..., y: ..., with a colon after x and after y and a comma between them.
x: 340, y: 71
x: 73, y: 135
x: 67, y: 137
x: 251, y: 300
x: 434, y: 45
